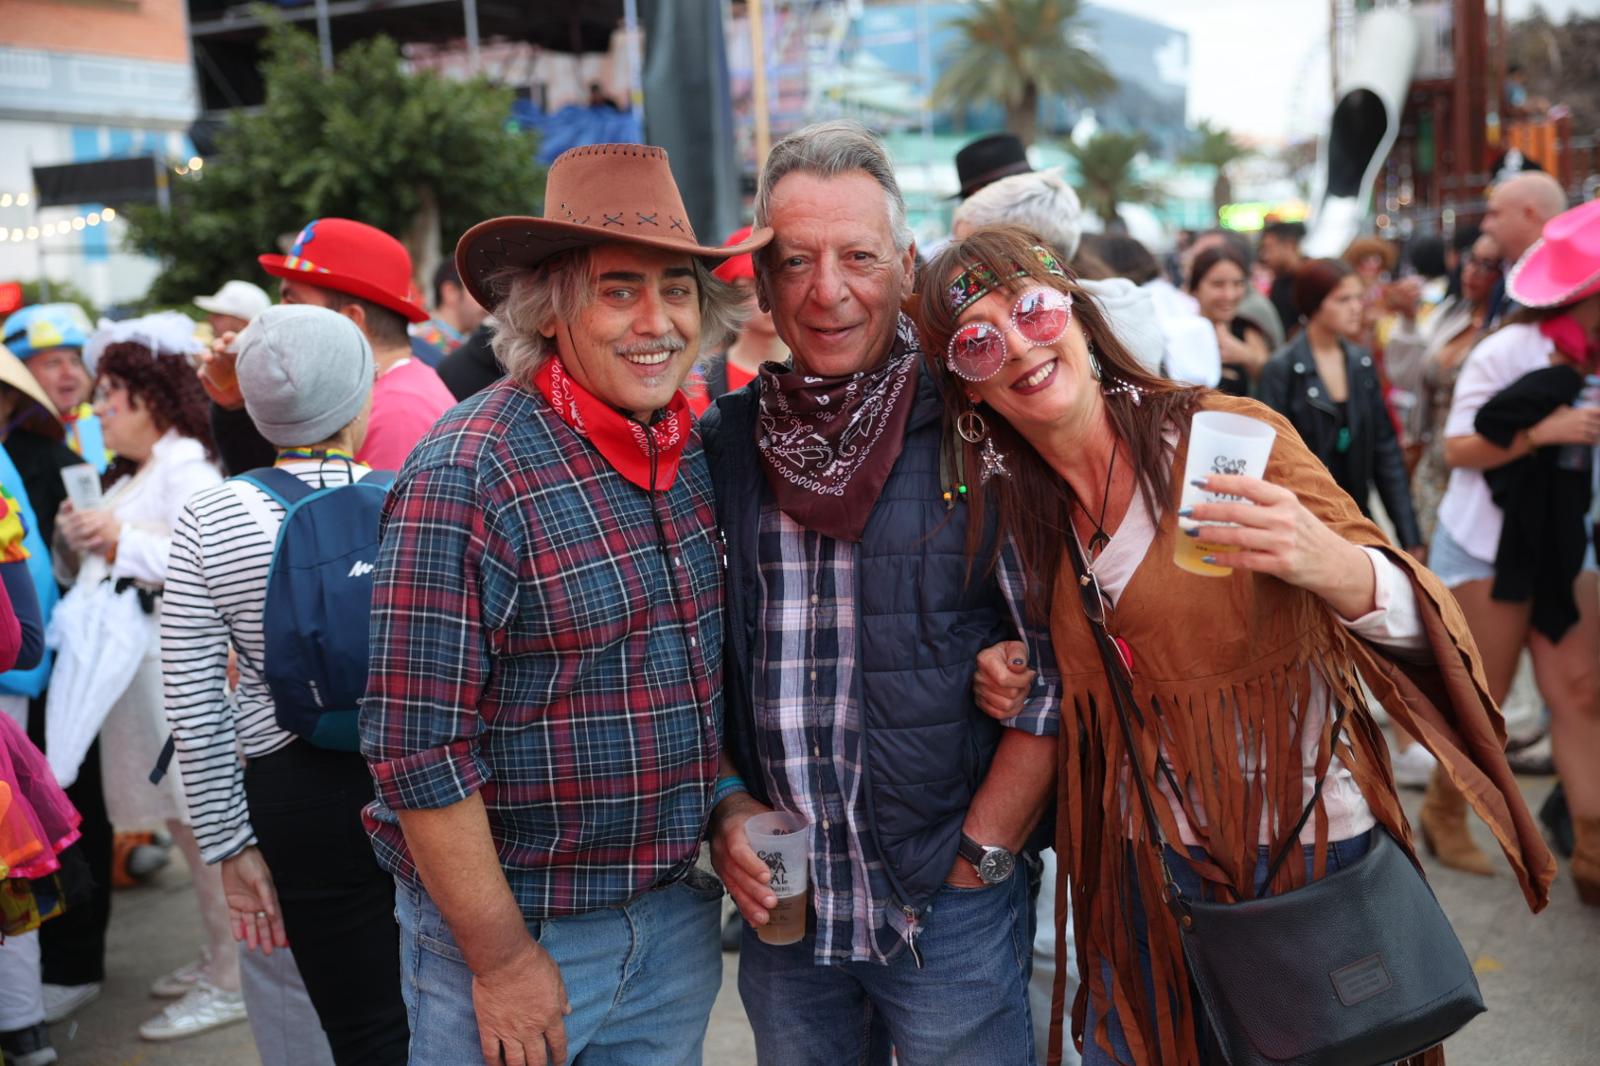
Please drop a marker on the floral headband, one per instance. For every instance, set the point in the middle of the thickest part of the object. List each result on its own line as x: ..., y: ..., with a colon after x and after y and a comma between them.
x: 976, y: 282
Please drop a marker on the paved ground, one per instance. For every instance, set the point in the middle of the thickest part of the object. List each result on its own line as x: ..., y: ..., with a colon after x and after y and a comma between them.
x: 1540, y: 977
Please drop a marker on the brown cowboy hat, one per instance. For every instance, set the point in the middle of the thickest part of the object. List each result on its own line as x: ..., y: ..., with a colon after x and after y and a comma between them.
x: 594, y: 194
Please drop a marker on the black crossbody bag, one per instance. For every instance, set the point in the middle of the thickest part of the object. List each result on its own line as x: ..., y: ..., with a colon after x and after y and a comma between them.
x: 1360, y: 968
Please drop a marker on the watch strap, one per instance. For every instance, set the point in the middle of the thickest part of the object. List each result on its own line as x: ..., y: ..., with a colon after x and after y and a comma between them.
x: 970, y: 850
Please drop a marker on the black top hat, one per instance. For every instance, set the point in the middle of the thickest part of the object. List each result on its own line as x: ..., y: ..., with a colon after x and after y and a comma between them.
x: 990, y: 158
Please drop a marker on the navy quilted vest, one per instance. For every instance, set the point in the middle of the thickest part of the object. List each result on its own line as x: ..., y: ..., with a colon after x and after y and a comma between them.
x: 924, y: 616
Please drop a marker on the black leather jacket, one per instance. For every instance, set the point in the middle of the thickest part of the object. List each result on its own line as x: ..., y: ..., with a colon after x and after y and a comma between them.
x: 1291, y: 386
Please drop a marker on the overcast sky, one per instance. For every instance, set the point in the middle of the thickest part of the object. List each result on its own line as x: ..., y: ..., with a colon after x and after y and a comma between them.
x: 1260, y: 67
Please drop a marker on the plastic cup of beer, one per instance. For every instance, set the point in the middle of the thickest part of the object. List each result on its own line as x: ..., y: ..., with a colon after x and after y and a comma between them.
x: 1219, y: 443
x: 783, y: 841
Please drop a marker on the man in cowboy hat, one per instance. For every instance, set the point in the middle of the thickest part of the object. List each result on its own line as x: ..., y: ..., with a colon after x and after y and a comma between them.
x: 854, y: 627
x: 545, y: 694
x: 364, y: 274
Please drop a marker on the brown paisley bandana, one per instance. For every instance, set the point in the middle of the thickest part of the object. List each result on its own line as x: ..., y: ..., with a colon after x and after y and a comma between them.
x: 827, y: 444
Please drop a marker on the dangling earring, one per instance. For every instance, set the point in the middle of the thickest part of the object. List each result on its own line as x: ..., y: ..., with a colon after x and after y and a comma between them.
x: 1134, y: 391
x: 1094, y: 363
x: 974, y: 430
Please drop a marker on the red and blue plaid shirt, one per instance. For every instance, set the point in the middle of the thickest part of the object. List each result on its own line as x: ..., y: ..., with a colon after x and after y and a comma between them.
x: 549, y: 635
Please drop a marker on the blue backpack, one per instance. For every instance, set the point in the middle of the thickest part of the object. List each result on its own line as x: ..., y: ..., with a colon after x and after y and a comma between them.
x: 319, y: 602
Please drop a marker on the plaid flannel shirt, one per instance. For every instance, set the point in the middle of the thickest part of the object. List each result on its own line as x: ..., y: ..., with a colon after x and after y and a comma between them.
x: 549, y: 635
x: 810, y: 724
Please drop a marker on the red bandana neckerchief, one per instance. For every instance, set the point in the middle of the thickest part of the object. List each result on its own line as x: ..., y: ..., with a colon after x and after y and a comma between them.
x: 625, y: 444
x: 827, y: 444
x: 1571, y: 341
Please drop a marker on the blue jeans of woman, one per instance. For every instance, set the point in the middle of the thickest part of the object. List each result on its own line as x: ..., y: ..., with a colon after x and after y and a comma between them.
x: 1341, y: 853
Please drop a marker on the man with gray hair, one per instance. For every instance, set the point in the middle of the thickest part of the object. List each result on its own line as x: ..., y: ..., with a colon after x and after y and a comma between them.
x: 856, y: 633
x: 545, y: 694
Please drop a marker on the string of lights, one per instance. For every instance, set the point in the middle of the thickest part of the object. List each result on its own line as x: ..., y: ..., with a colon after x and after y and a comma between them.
x: 192, y: 165
x: 61, y: 227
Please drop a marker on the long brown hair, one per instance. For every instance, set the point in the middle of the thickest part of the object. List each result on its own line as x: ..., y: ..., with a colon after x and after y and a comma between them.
x: 1034, y: 505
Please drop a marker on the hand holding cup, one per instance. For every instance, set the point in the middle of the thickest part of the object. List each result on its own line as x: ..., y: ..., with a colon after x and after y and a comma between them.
x: 1272, y: 532
x: 217, y: 372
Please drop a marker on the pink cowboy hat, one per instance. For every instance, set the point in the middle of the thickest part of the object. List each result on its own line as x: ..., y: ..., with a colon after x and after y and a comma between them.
x: 1563, y: 266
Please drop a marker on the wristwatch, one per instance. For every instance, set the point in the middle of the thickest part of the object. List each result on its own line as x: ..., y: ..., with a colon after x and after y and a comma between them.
x: 994, y: 864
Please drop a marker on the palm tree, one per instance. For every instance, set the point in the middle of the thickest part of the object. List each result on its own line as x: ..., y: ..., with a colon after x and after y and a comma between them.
x: 1015, y: 51
x: 1105, y: 174
x: 1215, y: 147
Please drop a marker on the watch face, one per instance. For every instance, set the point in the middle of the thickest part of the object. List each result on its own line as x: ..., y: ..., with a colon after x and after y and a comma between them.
x: 996, y: 866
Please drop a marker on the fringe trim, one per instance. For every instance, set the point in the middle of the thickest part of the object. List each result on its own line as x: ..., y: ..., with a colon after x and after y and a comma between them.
x: 1208, y: 731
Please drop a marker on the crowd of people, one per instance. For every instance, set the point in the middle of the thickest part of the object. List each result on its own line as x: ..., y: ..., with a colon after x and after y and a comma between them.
x: 459, y: 652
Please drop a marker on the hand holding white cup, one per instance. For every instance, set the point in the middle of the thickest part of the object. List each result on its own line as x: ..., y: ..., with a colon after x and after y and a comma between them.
x: 1223, y: 448
x: 783, y: 842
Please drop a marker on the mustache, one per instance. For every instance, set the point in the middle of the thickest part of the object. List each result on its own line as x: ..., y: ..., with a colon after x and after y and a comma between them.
x: 669, y: 343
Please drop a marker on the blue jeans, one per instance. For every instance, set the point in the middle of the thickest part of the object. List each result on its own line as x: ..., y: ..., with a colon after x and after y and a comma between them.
x: 967, y: 1003
x: 641, y: 978
x: 1341, y: 853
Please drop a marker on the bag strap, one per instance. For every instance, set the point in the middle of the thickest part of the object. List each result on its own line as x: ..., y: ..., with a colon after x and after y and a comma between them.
x: 249, y: 493
x: 1094, y: 606
x: 1118, y: 675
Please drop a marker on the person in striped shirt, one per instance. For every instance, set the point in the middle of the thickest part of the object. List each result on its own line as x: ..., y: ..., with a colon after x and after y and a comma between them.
x: 285, y: 821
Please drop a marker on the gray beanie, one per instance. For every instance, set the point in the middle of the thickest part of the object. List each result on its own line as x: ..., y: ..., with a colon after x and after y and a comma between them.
x: 304, y: 371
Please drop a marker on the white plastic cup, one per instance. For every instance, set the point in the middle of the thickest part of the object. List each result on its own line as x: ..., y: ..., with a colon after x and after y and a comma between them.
x: 783, y: 841
x: 1219, y: 443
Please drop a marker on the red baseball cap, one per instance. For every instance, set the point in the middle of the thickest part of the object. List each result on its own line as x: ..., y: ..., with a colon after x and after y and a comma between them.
x: 353, y: 258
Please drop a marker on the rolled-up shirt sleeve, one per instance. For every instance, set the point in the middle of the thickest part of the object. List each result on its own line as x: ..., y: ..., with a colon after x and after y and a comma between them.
x: 441, y: 561
x: 1394, y: 623
x: 1041, y: 710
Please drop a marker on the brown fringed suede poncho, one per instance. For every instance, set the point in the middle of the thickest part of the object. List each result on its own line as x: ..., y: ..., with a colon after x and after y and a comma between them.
x: 1226, y: 663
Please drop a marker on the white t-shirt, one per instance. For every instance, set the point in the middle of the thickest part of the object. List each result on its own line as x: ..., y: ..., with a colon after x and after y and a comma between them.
x: 1468, y: 512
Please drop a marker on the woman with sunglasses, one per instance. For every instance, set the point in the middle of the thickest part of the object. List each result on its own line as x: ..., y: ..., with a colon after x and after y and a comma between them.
x: 1246, y: 674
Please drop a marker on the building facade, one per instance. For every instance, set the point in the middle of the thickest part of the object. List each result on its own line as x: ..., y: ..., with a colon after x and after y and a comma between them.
x: 80, y: 81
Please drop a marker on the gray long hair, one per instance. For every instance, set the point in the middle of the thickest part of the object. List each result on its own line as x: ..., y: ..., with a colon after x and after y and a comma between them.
x: 828, y: 150
x: 560, y: 287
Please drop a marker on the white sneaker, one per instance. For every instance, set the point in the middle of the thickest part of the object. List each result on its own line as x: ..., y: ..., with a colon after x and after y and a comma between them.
x: 1413, y: 767
x: 62, y: 1001
x: 203, y: 1008
x: 182, y: 980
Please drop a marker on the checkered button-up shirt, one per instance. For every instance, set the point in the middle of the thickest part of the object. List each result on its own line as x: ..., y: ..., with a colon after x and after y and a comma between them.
x: 549, y: 635
x: 810, y: 724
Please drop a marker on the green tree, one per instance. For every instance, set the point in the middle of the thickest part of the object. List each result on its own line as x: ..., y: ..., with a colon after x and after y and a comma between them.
x: 416, y: 155
x: 1105, y: 174
x: 1215, y: 147
x: 1013, y: 52
x: 57, y: 291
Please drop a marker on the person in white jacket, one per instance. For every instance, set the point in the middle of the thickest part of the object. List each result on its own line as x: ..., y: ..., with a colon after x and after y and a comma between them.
x: 155, y: 419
